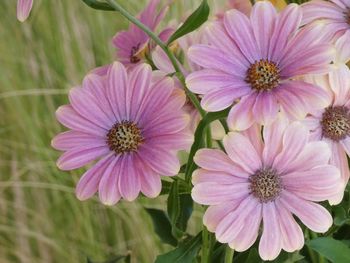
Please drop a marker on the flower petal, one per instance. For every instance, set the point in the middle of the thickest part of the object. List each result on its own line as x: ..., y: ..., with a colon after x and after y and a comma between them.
x: 23, y: 9
x: 129, y: 182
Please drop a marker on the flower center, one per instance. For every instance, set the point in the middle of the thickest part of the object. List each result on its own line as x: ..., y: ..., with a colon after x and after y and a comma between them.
x: 347, y: 15
x: 263, y: 75
x: 133, y: 54
x: 336, y: 123
x: 124, y: 137
x: 265, y: 185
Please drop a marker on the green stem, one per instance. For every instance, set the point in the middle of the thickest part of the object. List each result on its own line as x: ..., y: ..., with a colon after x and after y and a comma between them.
x: 209, y: 142
x: 312, y: 254
x: 229, y: 254
x: 205, y: 246
x: 163, y: 46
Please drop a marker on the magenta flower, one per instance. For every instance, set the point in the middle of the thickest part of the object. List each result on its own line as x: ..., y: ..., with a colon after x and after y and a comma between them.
x: 134, y: 44
x: 23, y: 9
x: 332, y: 124
x: 253, y: 61
x: 334, y: 13
x: 267, y: 180
x: 132, y: 123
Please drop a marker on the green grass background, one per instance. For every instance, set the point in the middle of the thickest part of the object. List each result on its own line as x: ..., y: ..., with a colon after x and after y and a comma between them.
x: 40, y: 218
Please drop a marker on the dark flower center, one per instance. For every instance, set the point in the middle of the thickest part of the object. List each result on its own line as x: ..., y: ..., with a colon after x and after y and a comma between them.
x: 347, y: 15
x: 336, y: 123
x: 265, y: 185
x: 133, y: 57
x: 124, y: 137
x: 263, y: 75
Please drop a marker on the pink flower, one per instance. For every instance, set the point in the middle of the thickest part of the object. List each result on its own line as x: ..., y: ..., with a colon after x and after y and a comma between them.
x: 133, y: 45
x: 334, y: 13
x: 332, y: 124
x: 132, y: 123
x: 252, y: 61
x: 23, y: 9
x: 268, y: 180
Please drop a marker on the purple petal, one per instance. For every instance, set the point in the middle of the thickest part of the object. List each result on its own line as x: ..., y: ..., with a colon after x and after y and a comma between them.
x: 129, y: 183
x: 23, y: 9
x: 72, y: 139
x: 265, y: 108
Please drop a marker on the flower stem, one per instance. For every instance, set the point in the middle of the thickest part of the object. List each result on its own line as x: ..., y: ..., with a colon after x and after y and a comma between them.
x: 163, y: 46
x: 229, y: 254
x: 205, y: 246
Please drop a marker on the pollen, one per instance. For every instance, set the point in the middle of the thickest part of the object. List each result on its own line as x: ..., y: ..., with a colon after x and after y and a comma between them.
x: 265, y: 185
x: 124, y: 137
x: 263, y: 75
x: 336, y: 123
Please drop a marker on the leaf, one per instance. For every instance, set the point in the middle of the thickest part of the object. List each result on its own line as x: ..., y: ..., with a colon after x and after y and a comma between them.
x: 184, y: 188
x: 180, y: 207
x: 194, y: 21
x: 334, y: 250
x: 184, y: 253
x: 162, y: 226
x: 113, y: 260
x: 340, y: 216
x: 198, y: 138
x: 95, y: 4
x: 253, y: 256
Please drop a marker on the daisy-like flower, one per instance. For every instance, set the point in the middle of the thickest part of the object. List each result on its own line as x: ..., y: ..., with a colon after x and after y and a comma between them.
x: 332, y: 124
x: 334, y: 13
x: 265, y: 181
x: 132, y: 123
x: 134, y: 44
x: 23, y: 9
x: 252, y: 61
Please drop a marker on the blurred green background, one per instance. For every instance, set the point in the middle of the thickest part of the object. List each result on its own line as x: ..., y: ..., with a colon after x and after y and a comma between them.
x: 40, y: 218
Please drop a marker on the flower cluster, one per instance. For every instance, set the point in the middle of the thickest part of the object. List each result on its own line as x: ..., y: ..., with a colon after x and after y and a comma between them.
x: 281, y: 76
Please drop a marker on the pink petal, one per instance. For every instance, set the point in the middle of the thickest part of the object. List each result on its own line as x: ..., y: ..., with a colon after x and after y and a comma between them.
x: 138, y: 87
x: 270, y: 244
x: 85, y: 105
x: 286, y: 25
x: 314, y: 154
x: 72, y: 139
x: 206, y: 80
x: 295, y: 139
x: 129, y: 182
x: 263, y: 19
x: 213, y: 58
x: 339, y: 81
x: 216, y: 160
x: 317, y: 184
x: 291, y: 233
x: 108, y: 187
x: 117, y: 90
x: 88, y: 183
x: 343, y: 52
x: 240, y: 30
x: 265, y: 108
x: 206, y: 176
x: 151, y: 184
x: 248, y: 234
x: 177, y: 141
x: 242, y: 152
x: 254, y: 136
x: 221, y: 98
x: 211, y: 193
x: 320, y: 9
x: 71, y: 119
x: 273, y: 135
x: 23, y: 9
x: 214, y: 214
x: 78, y: 157
x: 161, y: 161
x: 314, y: 216
x: 230, y: 226
x: 241, y: 115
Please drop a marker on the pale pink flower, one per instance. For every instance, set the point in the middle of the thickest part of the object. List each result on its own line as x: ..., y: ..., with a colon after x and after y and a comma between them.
x: 332, y: 124
x: 132, y: 123
x: 134, y: 44
x: 335, y: 14
x: 23, y: 9
x: 253, y: 61
x: 266, y: 181
x: 245, y: 6
x: 343, y: 50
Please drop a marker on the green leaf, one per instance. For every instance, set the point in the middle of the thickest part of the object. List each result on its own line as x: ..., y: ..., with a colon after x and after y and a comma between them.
x: 184, y: 188
x: 253, y: 256
x: 194, y: 21
x: 113, y: 260
x: 198, y: 139
x: 162, y: 226
x: 184, y: 253
x: 180, y: 207
x: 332, y: 249
x: 340, y: 216
x: 95, y: 4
